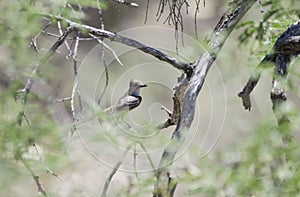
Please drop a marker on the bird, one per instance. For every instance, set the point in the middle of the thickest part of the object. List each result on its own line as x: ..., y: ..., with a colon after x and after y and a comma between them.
x: 130, y: 100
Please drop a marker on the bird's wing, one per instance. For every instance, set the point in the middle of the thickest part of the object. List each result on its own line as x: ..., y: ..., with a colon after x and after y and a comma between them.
x: 125, y: 103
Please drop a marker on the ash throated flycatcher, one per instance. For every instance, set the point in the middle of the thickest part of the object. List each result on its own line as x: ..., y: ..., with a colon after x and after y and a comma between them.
x: 130, y: 100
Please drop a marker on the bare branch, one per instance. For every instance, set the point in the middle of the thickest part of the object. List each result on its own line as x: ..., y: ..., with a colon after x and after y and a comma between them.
x: 102, y: 53
x: 108, y: 48
x: 170, y: 121
x: 148, y: 156
x: 33, y: 40
x: 61, y: 32
x: 44, y: 165
x: 63, y: 99
x: 186, y: 67
x: 75, y: 90
x: 147, y: 9
x: 134, y: 161
x: 114, y: 170
x: 166, y: 110
x: 23, y: 93
x: 35, y: 178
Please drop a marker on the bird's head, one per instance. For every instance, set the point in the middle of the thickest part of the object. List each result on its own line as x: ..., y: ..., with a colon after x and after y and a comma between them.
x: 134, y: 87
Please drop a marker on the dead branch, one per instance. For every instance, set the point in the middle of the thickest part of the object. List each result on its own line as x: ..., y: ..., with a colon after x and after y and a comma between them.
x: 186, y: 67
x: 189, y: 88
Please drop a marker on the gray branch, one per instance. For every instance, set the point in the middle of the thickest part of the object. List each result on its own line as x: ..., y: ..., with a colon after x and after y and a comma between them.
x: 189, y: 89
x: 186, y: 67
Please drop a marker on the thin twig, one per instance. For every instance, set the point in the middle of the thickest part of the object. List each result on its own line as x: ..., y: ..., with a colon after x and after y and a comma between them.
x: 102, y: 51
x: 147, y: 9
x: 75, y: 84
x: 48, y: 170
x: 33, y: 40
x: 35, y: 178
x: 61, y: 32
x: 23, y: 93
x: 195, y: 16
x: 134, y: 161
x: 166, y: 110
x: 127, y: 3
x: 63, y: 99
x: 114, y: 170
x: 148, y: 156
x: 107, y: 47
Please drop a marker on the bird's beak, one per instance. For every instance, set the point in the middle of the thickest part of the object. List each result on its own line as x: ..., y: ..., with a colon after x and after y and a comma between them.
x: 143, y: 85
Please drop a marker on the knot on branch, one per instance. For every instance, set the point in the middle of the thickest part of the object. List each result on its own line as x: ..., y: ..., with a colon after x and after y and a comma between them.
x: 179, y: 91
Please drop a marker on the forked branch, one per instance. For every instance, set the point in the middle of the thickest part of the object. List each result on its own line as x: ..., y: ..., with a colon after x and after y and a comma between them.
x: 189, y: 89
x: 186, y: 67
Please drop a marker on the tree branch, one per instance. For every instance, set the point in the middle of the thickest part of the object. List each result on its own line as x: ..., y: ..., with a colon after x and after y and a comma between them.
x: 22, y: 94
x: 189, y: 89
x: 114, y: 170
x: 186, y: 67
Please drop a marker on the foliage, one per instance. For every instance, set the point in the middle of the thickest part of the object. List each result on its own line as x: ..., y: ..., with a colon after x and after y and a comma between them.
x: 264, y: 164
x: 258, y: 36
